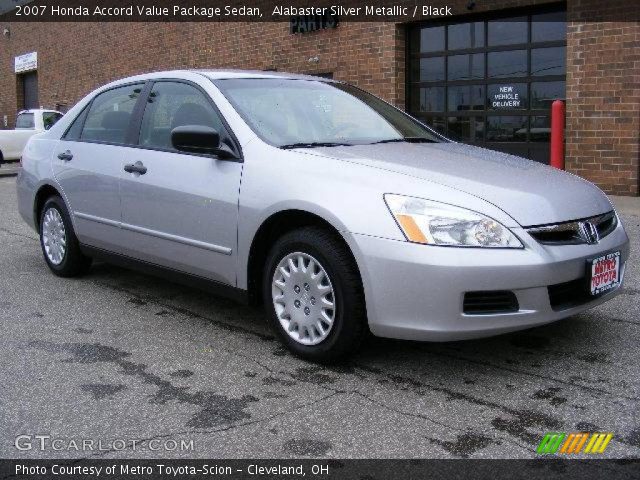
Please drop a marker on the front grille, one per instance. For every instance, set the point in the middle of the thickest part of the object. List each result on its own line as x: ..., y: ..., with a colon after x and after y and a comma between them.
x: 490, y: 302
x: 568, y: 294
x: 574, y: 232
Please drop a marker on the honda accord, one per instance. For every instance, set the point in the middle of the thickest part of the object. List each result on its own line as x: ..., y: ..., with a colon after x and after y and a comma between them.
x: 336, y: 210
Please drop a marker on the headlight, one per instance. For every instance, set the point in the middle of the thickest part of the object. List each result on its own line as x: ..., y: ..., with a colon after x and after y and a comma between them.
x: 435, y: 223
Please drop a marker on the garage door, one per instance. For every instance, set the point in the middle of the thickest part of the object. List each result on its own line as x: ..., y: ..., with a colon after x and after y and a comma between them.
x: 490, y: 81
x: 30, y: 90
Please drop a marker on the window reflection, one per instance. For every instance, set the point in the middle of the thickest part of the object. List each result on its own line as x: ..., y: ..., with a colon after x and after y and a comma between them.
x: 438, y: 124
x: 511, y: 63
x: 431, y: 70
x: 507, y: 128
x: 548, y: 61
x: 540, y: 130
x: 544, y: 93
x: 508, y: 31
x: 466, y: 35
x: 546, y: 27
x: 465, y: 67
x: 466, y: 129
x: 466, y: 98
x: 432, y: 39
x: 429, y: 99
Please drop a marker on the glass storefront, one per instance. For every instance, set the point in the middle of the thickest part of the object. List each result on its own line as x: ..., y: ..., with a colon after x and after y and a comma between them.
x: 491, y: 81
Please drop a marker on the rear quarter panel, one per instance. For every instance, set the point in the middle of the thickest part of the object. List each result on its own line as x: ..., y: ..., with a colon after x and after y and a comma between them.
x: 35, y: 173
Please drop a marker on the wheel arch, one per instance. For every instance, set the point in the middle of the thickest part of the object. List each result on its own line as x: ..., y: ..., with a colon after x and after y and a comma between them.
x: 272, y: 228
x: 43, y: 193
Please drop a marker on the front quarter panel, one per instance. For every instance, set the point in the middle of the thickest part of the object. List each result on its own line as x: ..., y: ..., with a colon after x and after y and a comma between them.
x: 347, y: 195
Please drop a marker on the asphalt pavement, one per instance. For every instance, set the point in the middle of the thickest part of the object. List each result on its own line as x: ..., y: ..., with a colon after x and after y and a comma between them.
x: 146, y: 368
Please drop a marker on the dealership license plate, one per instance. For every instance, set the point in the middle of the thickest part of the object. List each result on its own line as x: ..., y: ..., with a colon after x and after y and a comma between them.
x: 605, y: 273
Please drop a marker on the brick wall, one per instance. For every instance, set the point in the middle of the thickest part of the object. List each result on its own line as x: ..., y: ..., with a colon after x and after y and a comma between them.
x: 75, y: 58
x: 603, y: 95
x: 603, y: 68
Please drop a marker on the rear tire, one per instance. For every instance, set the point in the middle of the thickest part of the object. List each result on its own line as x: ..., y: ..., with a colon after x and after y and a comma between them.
x: 313, y: 295
x: 58, y: 240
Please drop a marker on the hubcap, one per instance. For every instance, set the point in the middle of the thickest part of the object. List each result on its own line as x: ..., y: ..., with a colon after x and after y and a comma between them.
x: 303, y: 298
x: 54, y: 236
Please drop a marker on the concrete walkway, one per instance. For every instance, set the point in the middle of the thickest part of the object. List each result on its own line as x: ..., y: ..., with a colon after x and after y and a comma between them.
x: 626, y: 205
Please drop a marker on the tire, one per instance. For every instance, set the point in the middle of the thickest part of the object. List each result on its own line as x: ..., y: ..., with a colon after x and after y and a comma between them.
x: 331, y: 259
x: 71, y: 262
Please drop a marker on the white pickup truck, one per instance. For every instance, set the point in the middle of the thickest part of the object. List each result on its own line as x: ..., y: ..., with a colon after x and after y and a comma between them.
x: 28, y: 123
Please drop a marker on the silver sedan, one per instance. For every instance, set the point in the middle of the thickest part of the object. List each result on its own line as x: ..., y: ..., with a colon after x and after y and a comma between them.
x: 337, y: 211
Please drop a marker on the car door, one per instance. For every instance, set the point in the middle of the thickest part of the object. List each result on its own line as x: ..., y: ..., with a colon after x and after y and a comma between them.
x: 180, y: 210
x: 87, y: 164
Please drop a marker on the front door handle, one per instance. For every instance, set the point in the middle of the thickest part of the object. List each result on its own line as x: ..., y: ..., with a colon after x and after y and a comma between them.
x: 137, y: 167
x: 66, y: 156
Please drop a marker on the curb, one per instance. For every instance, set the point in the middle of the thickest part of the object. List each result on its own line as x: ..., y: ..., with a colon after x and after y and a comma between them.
x: 9, y: 169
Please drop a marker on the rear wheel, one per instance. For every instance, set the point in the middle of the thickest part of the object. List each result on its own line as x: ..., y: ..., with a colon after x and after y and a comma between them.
x: 313, y: 295
x: 59, y: 244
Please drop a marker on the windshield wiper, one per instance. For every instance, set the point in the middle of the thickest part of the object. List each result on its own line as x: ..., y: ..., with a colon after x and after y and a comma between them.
x: 408, y: 140
x: 313, y: 145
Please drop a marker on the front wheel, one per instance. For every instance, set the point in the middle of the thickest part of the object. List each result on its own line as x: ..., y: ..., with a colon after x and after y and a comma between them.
x: 313, y: 295
x: 58, y: 240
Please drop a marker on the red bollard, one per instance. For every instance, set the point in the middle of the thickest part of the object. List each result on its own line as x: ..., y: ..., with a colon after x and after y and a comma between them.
x: 557, y: 134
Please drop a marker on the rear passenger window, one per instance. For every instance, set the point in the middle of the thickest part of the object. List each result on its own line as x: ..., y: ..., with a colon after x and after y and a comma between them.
x: 171, y: 105
x: 75, y: 130
x: 110, y: 113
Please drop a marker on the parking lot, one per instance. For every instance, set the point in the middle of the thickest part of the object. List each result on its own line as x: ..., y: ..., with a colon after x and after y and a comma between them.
x: 118, y: 356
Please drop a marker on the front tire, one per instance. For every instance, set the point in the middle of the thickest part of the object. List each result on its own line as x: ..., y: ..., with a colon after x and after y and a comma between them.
x: 313, y: 295
x: 58, y: 240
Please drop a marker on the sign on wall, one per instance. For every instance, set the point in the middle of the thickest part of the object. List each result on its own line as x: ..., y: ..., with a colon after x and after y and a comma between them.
x: 506, y: 97
x: 26, y: 62
x: 312, y: 23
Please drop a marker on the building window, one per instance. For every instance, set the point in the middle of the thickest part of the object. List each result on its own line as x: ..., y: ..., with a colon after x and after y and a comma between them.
x: 490, y: 81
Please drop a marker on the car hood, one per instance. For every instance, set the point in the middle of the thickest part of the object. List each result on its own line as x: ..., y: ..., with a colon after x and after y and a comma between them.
x: 530, y: 192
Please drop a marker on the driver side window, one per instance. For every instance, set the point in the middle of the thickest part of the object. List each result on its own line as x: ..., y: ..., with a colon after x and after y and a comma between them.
x: 171, y: 105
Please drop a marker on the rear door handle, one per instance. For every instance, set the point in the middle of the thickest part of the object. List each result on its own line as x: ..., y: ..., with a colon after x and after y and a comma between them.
x: 137, y: 167
x: 66, y: 156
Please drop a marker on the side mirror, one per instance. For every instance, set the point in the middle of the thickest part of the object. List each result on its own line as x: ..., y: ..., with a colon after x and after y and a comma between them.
x: 199, y: 139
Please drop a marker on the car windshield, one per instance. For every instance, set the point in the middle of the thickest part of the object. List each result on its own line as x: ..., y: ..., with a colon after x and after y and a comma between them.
x: 291, y: 113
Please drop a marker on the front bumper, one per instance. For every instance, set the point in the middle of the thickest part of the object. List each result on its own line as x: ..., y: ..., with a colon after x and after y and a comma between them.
x: 416, y: 292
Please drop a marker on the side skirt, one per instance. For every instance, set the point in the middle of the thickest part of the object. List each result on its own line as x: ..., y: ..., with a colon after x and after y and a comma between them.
x: 237, y: 294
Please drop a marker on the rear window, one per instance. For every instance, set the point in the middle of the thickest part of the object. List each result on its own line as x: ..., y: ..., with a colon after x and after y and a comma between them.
x: 50, y: 118
x: 25, y: 121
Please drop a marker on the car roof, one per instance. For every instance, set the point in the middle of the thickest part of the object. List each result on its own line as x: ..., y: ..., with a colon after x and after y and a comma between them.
x: 215, y: 75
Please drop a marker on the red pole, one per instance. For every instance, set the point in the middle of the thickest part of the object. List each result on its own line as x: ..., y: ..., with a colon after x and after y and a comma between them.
x: 557, y: 134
